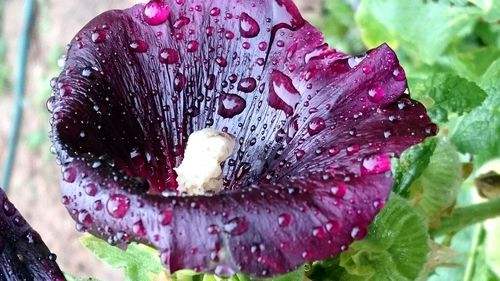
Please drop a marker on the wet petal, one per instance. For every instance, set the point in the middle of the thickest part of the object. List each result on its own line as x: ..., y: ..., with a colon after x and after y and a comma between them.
x: 315, y: 130
x: 262, y: 230
x: 23, y: 255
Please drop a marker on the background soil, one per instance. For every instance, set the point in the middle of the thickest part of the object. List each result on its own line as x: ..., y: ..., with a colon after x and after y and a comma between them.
x: 35, y: 181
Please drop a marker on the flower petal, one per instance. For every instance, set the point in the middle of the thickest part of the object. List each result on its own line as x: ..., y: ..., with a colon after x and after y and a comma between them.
x: 315, y: 129
x: 262, y: 230
x: 23, y: 255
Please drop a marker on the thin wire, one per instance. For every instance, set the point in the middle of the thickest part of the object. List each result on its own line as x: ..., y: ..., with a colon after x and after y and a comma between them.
x: 19, y: 90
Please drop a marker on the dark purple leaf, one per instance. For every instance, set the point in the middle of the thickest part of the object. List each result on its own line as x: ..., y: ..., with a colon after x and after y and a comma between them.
x: 23, y: 255
x: 315, y: 130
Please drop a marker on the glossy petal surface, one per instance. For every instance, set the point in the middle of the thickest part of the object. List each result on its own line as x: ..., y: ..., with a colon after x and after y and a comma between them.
x: 315, y: 129
x: 23, y: 255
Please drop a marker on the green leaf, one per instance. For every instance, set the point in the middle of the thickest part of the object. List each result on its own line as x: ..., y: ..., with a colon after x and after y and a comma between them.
x: 423, y: 28
x: 297, y: 275
x: 139, y: 262
x: 461, y: 243
x: 395, y: 248
x: 411, y: 165
x: 447, y: 93
x: 491, y: 9
x: 189, y: 275
x: 479, y: 131
x: 74, y: 278
x: 491, y: 245
x: 436, y: 189
x: 473, y: 63
x: 337, y: 24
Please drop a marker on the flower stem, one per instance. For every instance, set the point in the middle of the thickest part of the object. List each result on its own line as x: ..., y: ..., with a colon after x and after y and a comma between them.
x: 19, y: 89
x: 466, y: 216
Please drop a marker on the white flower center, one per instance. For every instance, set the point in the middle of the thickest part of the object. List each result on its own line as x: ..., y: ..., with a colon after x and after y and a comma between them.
x: 200, y: 171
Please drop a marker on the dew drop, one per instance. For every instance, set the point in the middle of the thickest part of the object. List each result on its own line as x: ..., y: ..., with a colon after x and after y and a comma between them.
x: 339, y: 190
x: 179, y: 82
x: 8, y: 208
x: 91, y: 189
x: 236, y: 226
x: 376, y: 94
x: 85, y: 218
x: 224, y: 271
x: 118, y: 205
x: 192, y: 46
x: 353, y: 148
x: 316, y: 125
x: 169, y: 56
x: 166, y: 217
x: 299, y: 154
x: 230, y: 105
x: 284, y: 220
x: 99, y: 36
x: 358, y: 233
x: 247, y: 85
x: 70, y: 175
x: 282, y: 93
x: 375, y: 164
x: 139, y: 46
x: 319, y: 232
x: 139, y: 229
x: 181, y: 22
x: 332, y: 227
x: 213, y: 229
x: 263, y: 46
x: 399, y: 73
x: 155, y: 12
x: 249, y: 28
x: 221, y: 61
x: 215, y: 12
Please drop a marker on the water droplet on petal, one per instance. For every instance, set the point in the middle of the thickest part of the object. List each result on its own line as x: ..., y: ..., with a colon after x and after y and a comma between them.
x: 284, y: 220
x: 221, y: 61
x: 166, y: 217
x: 376, y: 94
x: 215, y: 12
x: 375, y: 164
x: 316, y: 125
x: 192, y: 46
x: 91, y: 189
x: 155, y: 12
x: 8, y: 208
x: 70, y: 175
x: 339, y: 189
x: 213, y: 229
x: 85, y: 218
x: 99, y: 36
x: 169, y: 56
x: 118, y: 205
x: 224, y: 271
x: 139, y: 229
x: 236, y: 226
x: 181, y: 22
x: 230, y: 105
x: 179, y: 82
x: 319, y: 232
x: 139, y: 46
x: 247, y: 85
x: 358, y: 232
x: 249, y: 28
x: 399, y: 73
x: 282, y: 93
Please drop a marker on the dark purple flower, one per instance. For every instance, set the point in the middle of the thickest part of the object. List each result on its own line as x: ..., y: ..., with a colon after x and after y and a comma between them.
x: 315, y: 130
x: 23, y: 255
